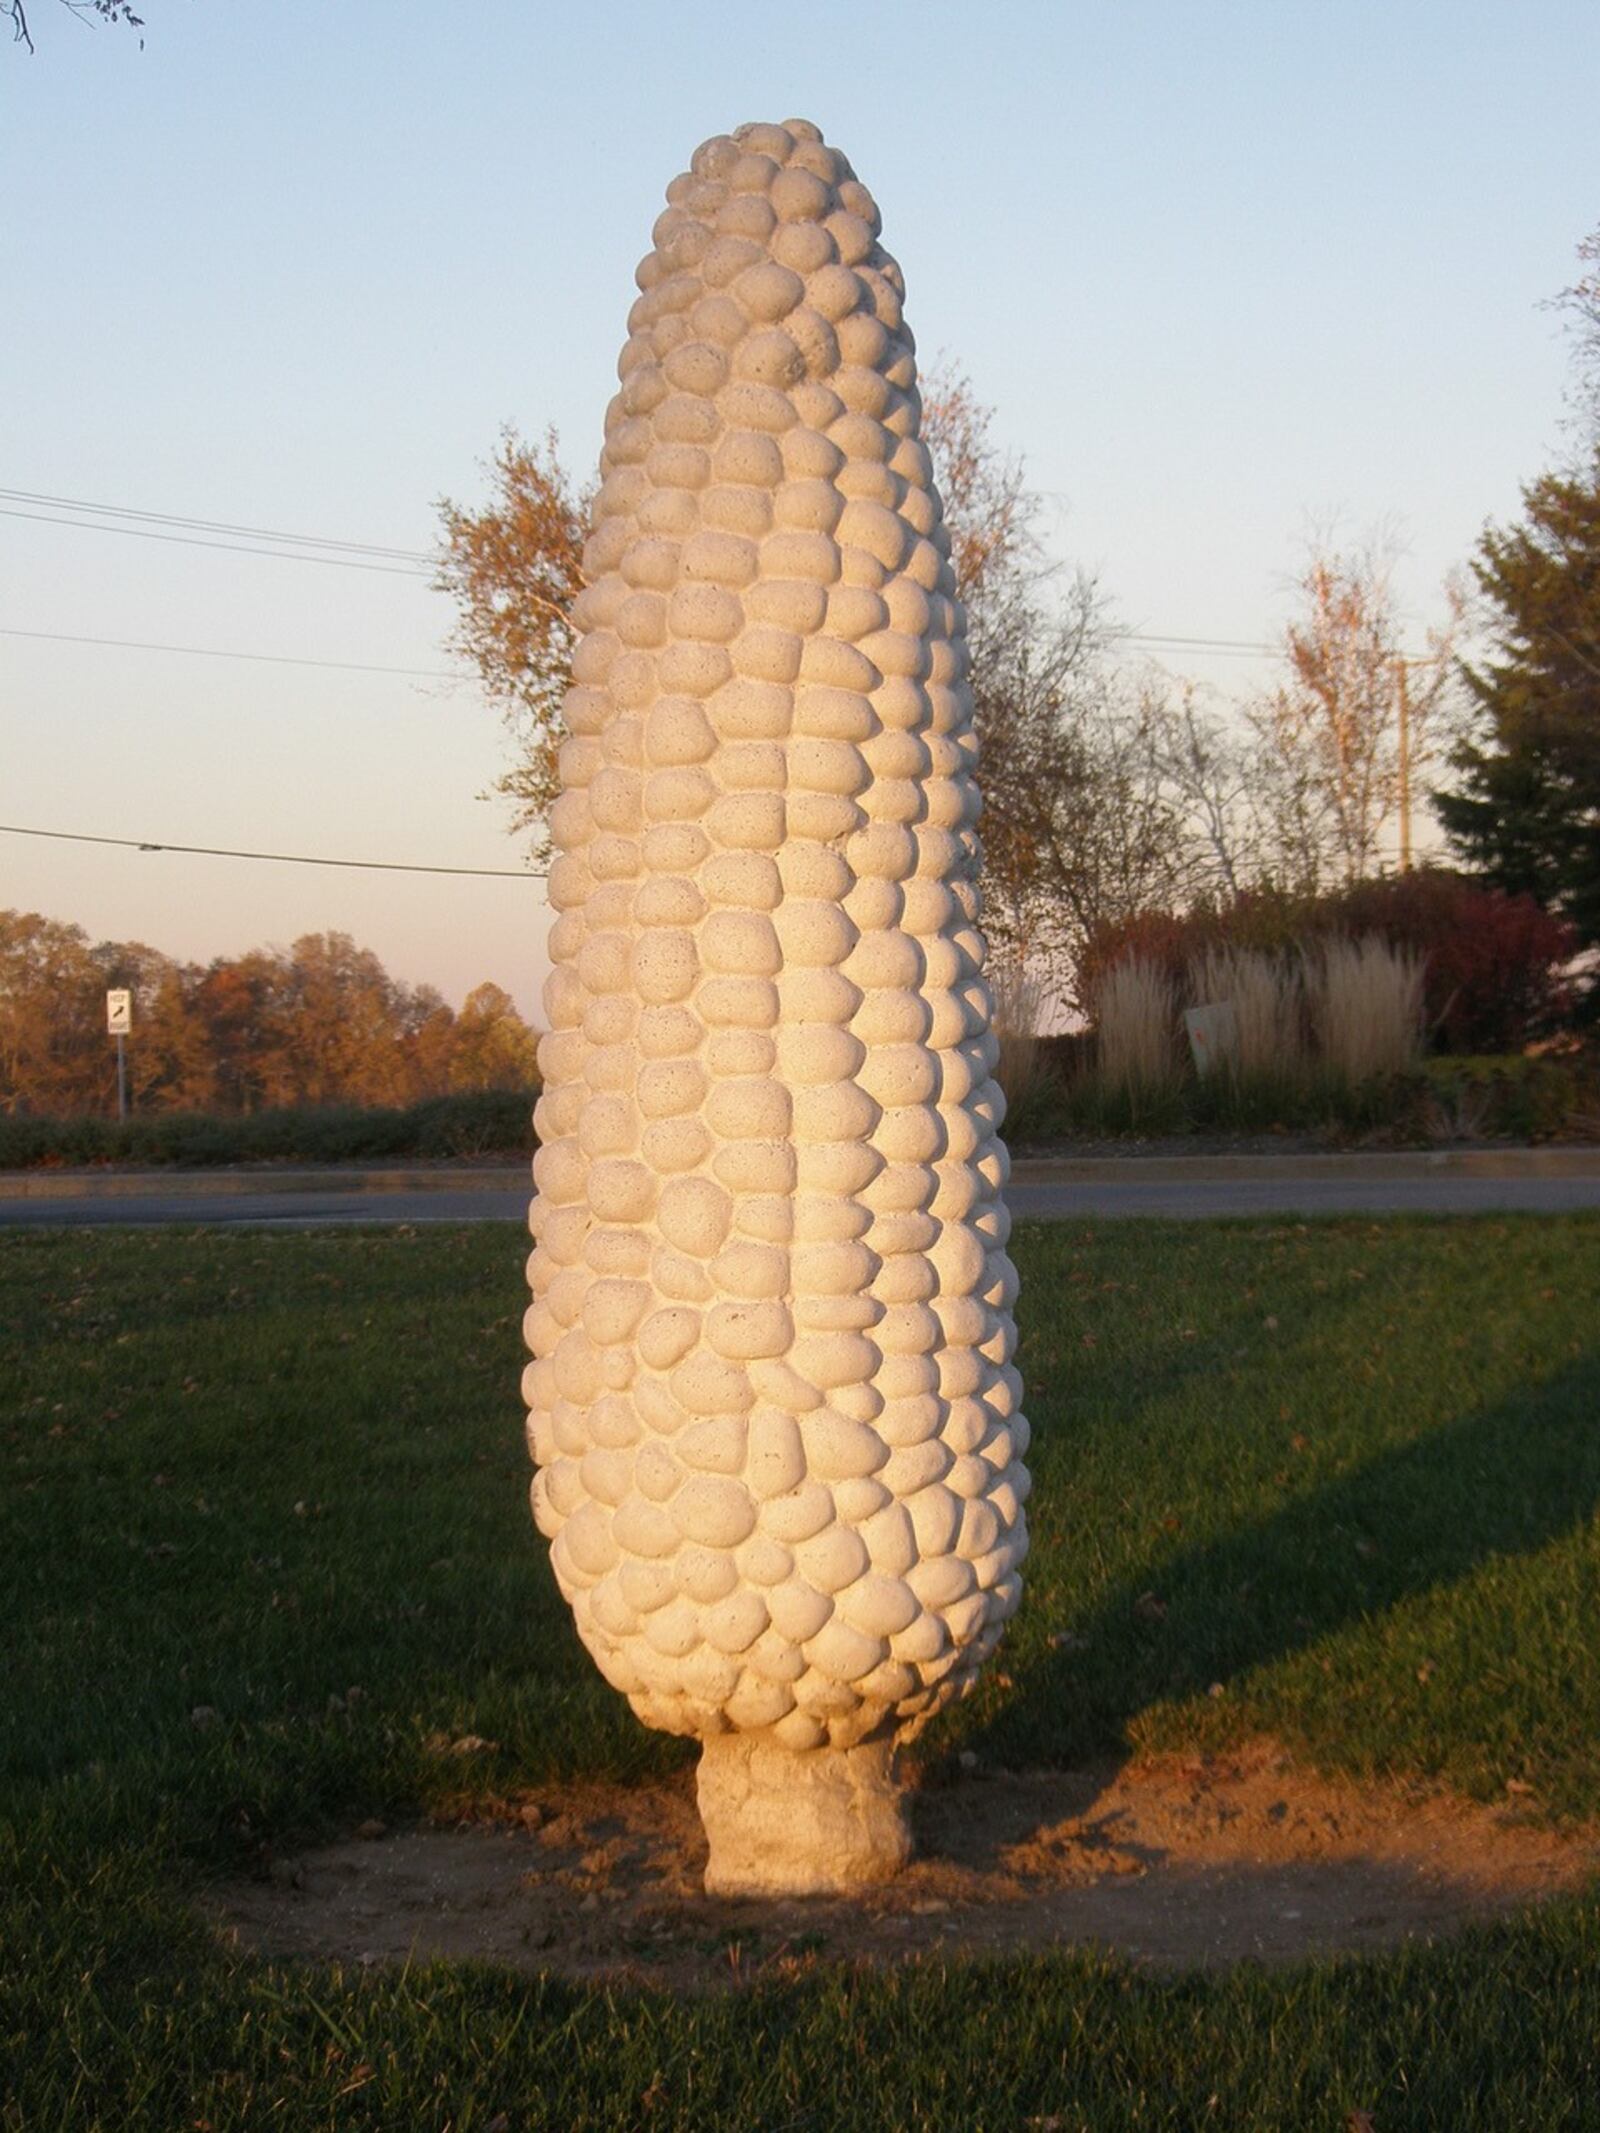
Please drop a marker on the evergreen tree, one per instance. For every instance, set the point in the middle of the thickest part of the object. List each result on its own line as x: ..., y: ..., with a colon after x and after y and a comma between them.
x: 1526, y: 812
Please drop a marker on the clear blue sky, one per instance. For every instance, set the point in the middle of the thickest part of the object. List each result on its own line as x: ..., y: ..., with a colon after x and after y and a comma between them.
x: 292, y: 265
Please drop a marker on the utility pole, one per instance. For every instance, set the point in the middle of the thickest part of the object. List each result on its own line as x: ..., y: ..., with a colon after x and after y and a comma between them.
x: 1405, y: 764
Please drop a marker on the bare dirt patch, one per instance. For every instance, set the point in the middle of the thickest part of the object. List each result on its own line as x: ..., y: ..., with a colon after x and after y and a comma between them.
x: 1175, y: 1864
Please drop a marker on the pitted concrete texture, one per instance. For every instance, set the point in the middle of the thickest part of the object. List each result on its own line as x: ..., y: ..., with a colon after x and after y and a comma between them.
x: 772, y: 1403
x: 815, y: 1824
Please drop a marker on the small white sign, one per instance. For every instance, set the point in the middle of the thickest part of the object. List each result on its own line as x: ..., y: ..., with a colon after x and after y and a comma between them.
x: 119, y: 1013
x: 1213, y: 1035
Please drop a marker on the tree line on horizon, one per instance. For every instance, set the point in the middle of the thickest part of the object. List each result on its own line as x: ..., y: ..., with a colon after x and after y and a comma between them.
x: 320, y: 1022
x: 1113, y: 789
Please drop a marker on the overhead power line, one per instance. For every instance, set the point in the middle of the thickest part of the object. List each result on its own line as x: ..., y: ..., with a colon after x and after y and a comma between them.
x: 195, y: 540
x: 217, y: 651
x: 213, y: 525
x: 230, y: 537
x: 1230, y: 645
x: 1238, y: 647
x: 295, y: 859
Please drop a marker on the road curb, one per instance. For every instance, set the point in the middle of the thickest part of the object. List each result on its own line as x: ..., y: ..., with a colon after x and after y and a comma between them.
x: 1367, y: 1167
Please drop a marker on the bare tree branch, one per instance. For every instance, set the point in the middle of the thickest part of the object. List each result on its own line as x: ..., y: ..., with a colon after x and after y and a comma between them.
x: 109, y: 11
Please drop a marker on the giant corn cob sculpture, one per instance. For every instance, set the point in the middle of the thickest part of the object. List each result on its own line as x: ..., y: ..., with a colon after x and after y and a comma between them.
x: 772, y: 1401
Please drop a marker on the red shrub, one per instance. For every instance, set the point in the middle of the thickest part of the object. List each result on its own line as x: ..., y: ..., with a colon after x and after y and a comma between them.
x: 1172, y: 940
x: 1493, y: 961
x: 1493, y: 978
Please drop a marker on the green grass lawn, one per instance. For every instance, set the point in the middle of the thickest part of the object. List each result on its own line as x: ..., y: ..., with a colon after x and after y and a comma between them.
x: 263, y: 1532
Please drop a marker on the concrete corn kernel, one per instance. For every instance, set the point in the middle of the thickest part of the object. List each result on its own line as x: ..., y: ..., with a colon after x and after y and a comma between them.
x: 773, y: 1294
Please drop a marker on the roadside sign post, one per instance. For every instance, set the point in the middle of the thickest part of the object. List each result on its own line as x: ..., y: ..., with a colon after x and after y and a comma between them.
x: 119, y: 1020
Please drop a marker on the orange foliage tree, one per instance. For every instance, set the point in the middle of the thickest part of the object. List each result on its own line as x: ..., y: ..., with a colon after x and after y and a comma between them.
x: 1338, y: 740
x: 321, y: 1022
x: 513, y: 567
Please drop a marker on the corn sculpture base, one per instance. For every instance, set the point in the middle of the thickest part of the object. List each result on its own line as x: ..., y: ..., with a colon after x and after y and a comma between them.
x: 772, y: 1401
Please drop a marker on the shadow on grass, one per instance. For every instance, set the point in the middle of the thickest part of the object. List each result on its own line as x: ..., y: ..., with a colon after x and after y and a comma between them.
x: 1505, y: 1480
x: 1059, y: 1335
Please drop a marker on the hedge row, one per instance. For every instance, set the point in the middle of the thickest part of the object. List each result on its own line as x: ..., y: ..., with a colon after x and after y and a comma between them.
x: 490, y: 1122
x: 1444, y: 1101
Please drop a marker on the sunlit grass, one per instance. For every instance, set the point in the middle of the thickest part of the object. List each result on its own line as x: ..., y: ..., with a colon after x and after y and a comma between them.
x: 1343, y: 1474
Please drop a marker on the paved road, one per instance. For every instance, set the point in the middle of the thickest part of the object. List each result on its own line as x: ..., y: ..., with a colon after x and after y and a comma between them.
x: 1097, y: 1198
x: 1309, y: 1196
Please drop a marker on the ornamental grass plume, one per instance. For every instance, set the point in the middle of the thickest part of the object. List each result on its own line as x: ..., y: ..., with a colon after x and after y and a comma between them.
x: 1023, y: 1070
x: 1135, y: 1018
x: 1268, y: 1006
x: 1365, y: 1004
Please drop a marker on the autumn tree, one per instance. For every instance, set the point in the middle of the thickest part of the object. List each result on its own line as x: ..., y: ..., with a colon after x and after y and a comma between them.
x: 1075, y: 829
x: 170, y: 1062
x: 337, y: 1026
x: 47, y: 1028
x: 493, y: 1047
x: 1203, y: 763
x: 513, y: 567
x: 1525, y: 811
x: 1581, y: 306
x: 1029, y: 647
x: 55, y: 1055
x: 235, y: 997
x: 167, y: 1062
x: 428, y: 1043
x: 1346, y: 733
x: 319, y: 1023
